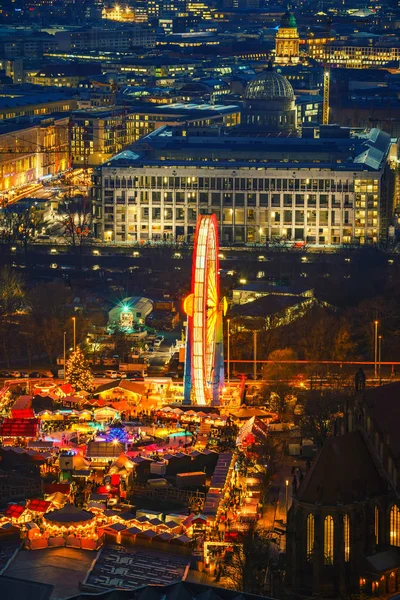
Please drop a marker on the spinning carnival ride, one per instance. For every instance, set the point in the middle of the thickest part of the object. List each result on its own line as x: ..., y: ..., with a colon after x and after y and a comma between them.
x: 204, y: 364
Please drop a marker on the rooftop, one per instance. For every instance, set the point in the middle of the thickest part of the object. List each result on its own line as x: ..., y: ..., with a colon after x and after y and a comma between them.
x: 384, y: 409
x: 267, y: 306
x: 344, y: 472
x: 336, y: 149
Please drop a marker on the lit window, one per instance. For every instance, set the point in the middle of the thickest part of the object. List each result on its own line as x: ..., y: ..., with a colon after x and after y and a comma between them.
x: 395, y: 526
x: 376, y: 524
x: 328, y: 540
x: 346, y: 537
x: 310, y: 536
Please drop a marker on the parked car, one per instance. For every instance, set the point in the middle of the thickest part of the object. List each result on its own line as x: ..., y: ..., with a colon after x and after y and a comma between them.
x: 24, y: 374
x: 134, y: 375
x: 121, y: 374
x: 15, y: 374
x: 109, y: 361
x: 34, y: 374
x: 157, y: 343
x: 111, y: 374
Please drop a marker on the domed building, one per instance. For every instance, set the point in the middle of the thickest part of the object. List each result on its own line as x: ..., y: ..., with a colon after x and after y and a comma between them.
x: 287, y: 41
x: 269, y: 104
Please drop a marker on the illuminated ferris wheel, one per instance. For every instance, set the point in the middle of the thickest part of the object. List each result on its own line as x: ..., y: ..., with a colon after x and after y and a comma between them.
x: 204, y: 362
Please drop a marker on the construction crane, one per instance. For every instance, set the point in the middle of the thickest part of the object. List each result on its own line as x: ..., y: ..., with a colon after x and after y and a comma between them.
x: 327, y: 86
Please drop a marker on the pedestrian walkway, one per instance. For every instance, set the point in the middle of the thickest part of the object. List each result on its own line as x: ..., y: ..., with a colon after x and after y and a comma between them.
x: 203, y: 435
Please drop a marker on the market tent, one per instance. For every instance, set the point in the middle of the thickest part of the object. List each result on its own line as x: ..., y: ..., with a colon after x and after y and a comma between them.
x: 72, y: 400
x: 22, y: 408
x: 19, y: 428
x: 116, y: 527
x: 148, y: 534
x: 15, y: 511
x: 80, y: 462
x: 253, y: 430
x: 127, y: 516
x: 123, y: 462
x: 69, y: 515
x: 164, y: 537
x: 86, y: 415
x: 67, y: 389
x: 37, y: 505
x: 133, y: 530
x: 143, y: 520
x: 247, y: 412
x: 57, y: 498
x: 181, y: 539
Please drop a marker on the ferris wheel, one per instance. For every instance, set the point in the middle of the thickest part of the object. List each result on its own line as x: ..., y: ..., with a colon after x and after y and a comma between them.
x: 204, y: 315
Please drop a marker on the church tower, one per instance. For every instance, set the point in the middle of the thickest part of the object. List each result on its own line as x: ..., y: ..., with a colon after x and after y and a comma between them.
x: 287, y: 41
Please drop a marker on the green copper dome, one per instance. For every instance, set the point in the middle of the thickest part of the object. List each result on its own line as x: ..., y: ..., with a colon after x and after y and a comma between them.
x: 288, y: 21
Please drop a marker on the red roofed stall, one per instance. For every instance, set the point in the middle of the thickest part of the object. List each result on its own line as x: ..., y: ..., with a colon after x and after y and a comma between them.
x: 22, y: 408
x: 37, y: 505
x: 19, y: 428
x: 15, y: 512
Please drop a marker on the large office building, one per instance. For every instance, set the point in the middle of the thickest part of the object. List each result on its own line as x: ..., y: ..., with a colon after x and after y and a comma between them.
x: 98, y: 134
x: 325, y: 186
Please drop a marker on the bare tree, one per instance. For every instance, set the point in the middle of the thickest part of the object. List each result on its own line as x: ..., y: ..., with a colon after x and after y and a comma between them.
x: 279, y: 378
x: 77, y: 220
x: 12, y: 299
x: 245, y: 566
x: 321, y: 409
x: 19, y: 224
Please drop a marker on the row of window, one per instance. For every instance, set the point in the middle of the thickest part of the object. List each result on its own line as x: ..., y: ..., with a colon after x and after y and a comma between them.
x: 238, y: 183
x: 240, y: 199
x: 329, y: 534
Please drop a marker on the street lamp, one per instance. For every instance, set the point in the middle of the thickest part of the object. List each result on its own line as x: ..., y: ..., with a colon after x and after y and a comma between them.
x: 287, y: 495
x: 74, y: 325
x: 380, y: 357
x: 376, y: 323
x: 229, y: 348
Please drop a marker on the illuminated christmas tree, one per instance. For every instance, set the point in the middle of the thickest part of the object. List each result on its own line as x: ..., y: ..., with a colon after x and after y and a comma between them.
x: 78, y: 372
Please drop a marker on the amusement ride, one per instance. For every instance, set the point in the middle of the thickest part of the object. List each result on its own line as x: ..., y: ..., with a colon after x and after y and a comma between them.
x: 204, y: 360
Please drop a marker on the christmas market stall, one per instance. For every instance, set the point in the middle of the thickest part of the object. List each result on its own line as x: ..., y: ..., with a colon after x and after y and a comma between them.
x: 68, y: 526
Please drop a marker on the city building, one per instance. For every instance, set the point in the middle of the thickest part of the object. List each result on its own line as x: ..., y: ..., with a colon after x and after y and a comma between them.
x: 27, y: 45
x: 64, y: 75
x: 99, y: 134
x: 359, y: 54
x: 287, y: 41
x: 252, y: 291
x: 130, y: 312
x: 114, y: 39
x: 124, y: 14
x: 328, y: 187
x: 31, y: 151
x: 344, y: 528
x: 17, y: 103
